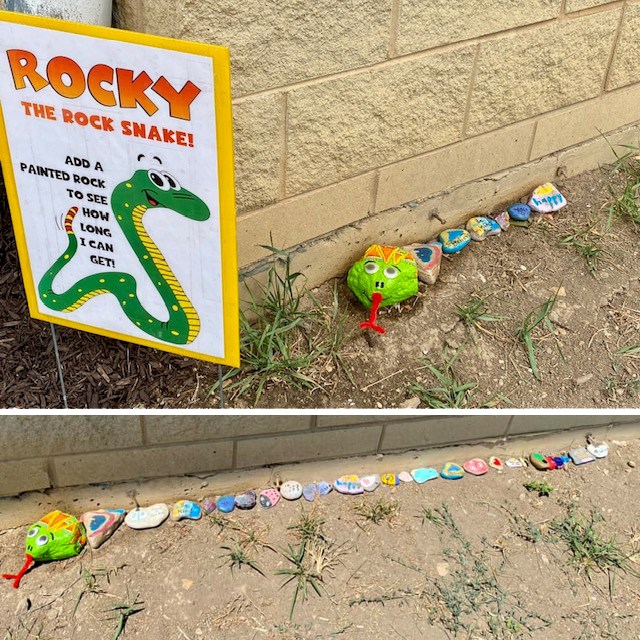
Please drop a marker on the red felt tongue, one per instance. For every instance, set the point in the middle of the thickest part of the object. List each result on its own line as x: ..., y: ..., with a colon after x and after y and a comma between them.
x: 376, y: 299
x: 16, y: 579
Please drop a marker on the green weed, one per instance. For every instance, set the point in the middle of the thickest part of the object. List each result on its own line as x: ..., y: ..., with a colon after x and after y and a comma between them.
x: 377, y: 511
x: 541, y: 487
x: 236, y: 557
x: 310, y: 526
x: 124, y: 611
x: 588, y: 245
x: 474, y: 312
x: 624, y: 186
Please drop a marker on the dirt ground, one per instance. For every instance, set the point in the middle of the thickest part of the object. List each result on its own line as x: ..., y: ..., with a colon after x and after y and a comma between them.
x: 475, y: 558
x: 595, y: 316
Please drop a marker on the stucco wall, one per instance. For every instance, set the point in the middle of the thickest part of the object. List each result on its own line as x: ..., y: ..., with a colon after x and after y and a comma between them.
x: 345, y: 111
x: 39, y: 452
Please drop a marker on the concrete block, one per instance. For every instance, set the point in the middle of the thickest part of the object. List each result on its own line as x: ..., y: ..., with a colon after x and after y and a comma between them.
x: 524, y: 74
x: 578, y: 5
x: 312, y: 446
x: 345, y: 126
x: 624, y: 66
x: 31, y: 436
x: 424, y: 24
x: 522, y: 424
x: 17, y: 476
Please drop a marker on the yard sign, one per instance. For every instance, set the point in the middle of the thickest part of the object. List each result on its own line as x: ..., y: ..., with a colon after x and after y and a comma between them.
x: 117, y: 154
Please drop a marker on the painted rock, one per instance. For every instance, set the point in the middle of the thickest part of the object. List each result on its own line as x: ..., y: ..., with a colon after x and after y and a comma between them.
x: 503, y: 220
x: 598, y: 450
x: 324, y: 488
x: 246, y: 500
x: 291, y: 490
x: 480, y: 227
x: 310, y: 492
x: 551, y: 462
x: 269, y: 498
x: 147, y: 517
x: 101, y: 524
x: 516, y: 463
x: 496, y: 463
x: 476, y: 467
x: 559, y: 462
x: 56, y: 536
x: 539, y: 461
x: 452, y: 471
x: 581, y: 456
x: 209, y: 505
x: 390, y: 479
x: 427, y: 257
x: 348, y: 484
x: 186, y: 510
x: 405, y: 476
x: 547, y: 199
x: 454, y: 240
x: 565, y: 458
x: 226, y: 504
x: 519, y: 212
x: 371, y: 482
x: 424, y: 474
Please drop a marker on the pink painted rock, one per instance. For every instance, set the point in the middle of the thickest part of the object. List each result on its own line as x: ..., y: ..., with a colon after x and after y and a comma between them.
x: 405, y: 476
x: 269, y: 498
x: 476, y: 467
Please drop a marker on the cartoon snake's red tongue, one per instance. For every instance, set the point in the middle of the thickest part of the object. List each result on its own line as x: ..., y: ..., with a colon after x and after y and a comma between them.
x: 16, y: 579
x: 152, y: 202
x: 376, y: 299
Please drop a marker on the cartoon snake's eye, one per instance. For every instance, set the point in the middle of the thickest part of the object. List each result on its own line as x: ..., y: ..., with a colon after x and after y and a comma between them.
x: 173, y: 183
x: 159, y: 180
x: 42, y: 540
x: 32, y: 532
x: 391, y: 272
x: 371, y: 267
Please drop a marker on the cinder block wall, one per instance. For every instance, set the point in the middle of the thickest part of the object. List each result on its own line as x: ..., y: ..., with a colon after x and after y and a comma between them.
x: 38, y: 452
x: 345, y: 111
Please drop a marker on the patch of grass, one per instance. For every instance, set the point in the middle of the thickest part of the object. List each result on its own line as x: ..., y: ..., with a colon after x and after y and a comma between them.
x: 474, y: 312
x: 237, y: 556
x: 124, y: 611
x: 378, y: 511
x: 587, y: 244
x: 624, y: 186
x: 310, y: 526
x: 449, y: 392
x: 542, y: 487
x: 281, y: 341
x: 526, y: 530
x: 303, y: 574
x: 620, y: 384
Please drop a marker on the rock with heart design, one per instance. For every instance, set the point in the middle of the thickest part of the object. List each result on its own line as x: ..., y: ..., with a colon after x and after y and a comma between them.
x: 147, y: 517
x: 101, y: 525
x: 371, y: 482
x: 454, y: 240
x: 405, y: 476
x: 246, y: 500
x: 291, y: 490
x: 186, y: 510
x: 547, y: 199
x: 503, y: 220
x: 452, y: 471
x: 519, y: 212
x: 209, y: 505
x: 390, y: 479
x: 428, y: 257
x: 424, y: 474
x: 226, y: 504
x: 310, y: 492
x: 350, y: 485
x: 598, y: 450
x: 476, y: 467
x: 496, y: 463
x: 269, y: 498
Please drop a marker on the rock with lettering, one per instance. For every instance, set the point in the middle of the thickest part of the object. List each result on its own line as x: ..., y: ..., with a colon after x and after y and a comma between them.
x: 147, y: 517
x: 101, y: 525
x: 291, y: 490
x: 246, y: 500
x: 186, y: 510
x: 547, y: 199
x: 480, y: 227
x: 428, y: 257
x: 519, y: 212
x: 350, y: 485
x: 454, y: 240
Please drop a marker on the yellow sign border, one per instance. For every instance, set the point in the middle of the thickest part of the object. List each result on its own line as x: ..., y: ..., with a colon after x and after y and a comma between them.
x: 224, y: 136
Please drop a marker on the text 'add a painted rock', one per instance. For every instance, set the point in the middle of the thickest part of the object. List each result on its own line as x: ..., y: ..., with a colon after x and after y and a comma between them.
x: 503, y: 220
x: 476, y: 467
x: 226, y: 504
x: 350, y: 485
x: 519, y: 212
x: 424, y: 474
x: 246, y: 500
x: 209, y: 505
x: 310, y: 492
x: 390, y: 479
x: 581, y: 456
x: 291, y: 490
x: 147, y: 517
x: 452, y: 471
x: 547, y: 199
x: 428, y: 257
x: 598, y: 450
x: 101, y: 524
x: 454, y: 240
x: 371, y: 482
x: 186, y: 510
x: 269, y: 498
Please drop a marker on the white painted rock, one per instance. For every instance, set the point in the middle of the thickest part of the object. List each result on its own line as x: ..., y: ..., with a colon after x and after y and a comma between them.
x: 547, y: 199
x: 147, y: 517
x: 405, y: 476
x: 101, y: 524
x: 598, y: 450
x: 370, y: 483
x: 348, y: 484
x: 291, y: 490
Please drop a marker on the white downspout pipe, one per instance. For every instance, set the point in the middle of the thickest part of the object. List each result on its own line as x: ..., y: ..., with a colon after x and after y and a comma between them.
x: 86, y: 11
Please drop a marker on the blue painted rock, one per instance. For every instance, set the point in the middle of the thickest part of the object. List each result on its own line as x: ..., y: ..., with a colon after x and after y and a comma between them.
x: 226, y: 504
x: 310, y: 492
x: 598, y: 450
x: 147, y: 517
x: 503, y: 220
x: 246, y: 500
x: 405, y: 476
x: 454, y: 240
x: 520, y: 212
x: 390, y: 479
x: 547, y: 199
x: 581, y: 456
x: 452, y: 471
x: 480, y: 227
x: 291, y: 490
x: 269, y: 498
x: 209, y: 505
x: 371, y: 482
x: 427, y: 257
x: 424, y: 474
x: 324, y: 488
x: 559, y: 460
x: 476, y: 467
x: 186, y: 509
x: 350, y: 485
x: 101, y: 524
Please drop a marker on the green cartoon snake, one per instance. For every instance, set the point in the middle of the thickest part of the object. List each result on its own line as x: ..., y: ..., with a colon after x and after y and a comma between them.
x: 130, y: 200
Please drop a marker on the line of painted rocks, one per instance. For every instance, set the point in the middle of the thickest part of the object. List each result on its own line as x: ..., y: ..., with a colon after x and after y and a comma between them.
x: 544, y: 199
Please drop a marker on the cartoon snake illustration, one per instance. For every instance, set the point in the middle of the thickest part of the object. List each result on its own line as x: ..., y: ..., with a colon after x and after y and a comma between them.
x: 130, y: 200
